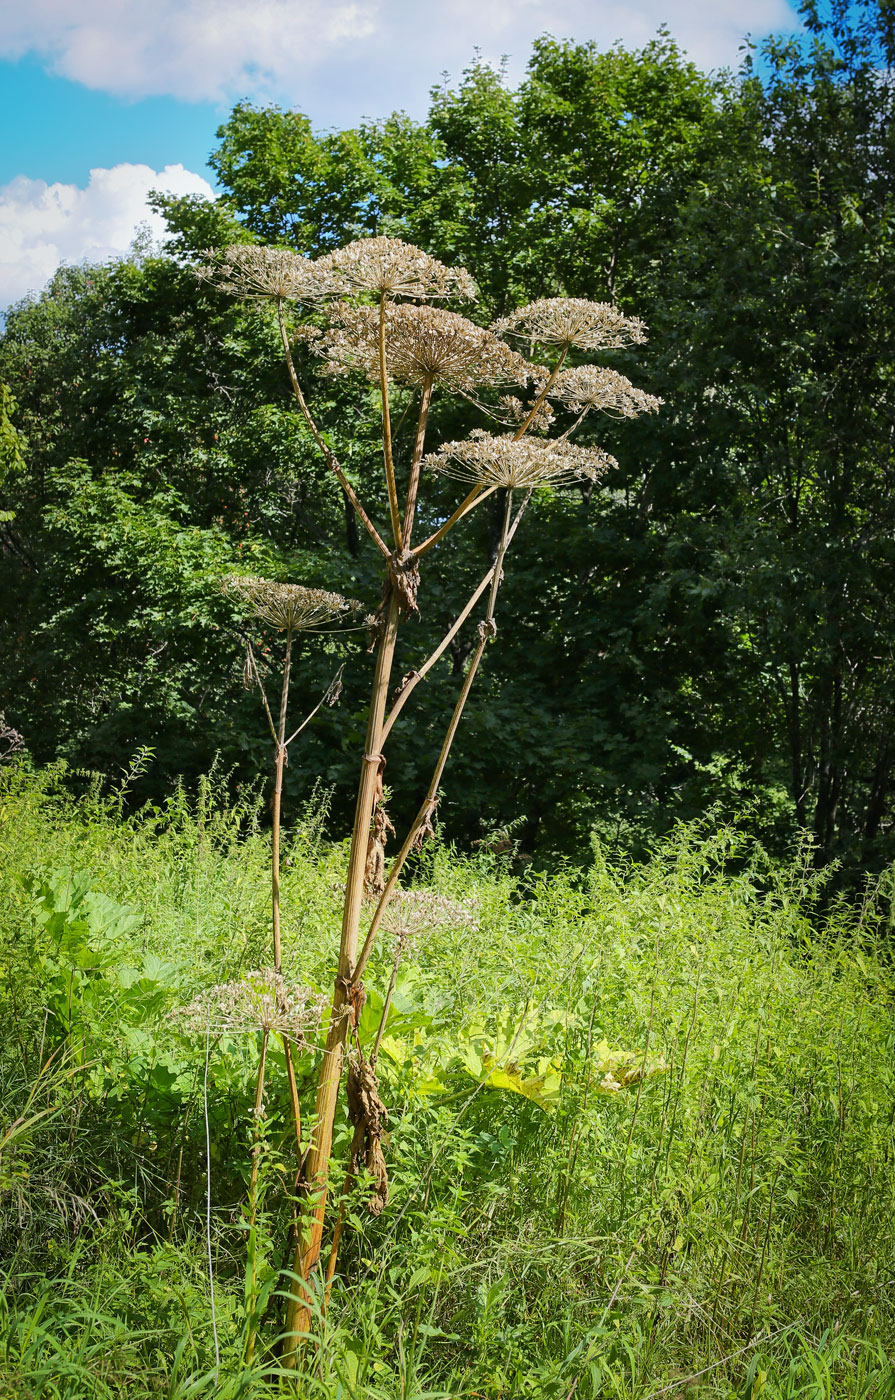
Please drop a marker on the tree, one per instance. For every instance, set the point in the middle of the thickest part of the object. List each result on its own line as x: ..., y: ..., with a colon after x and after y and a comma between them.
x: 783, y: 286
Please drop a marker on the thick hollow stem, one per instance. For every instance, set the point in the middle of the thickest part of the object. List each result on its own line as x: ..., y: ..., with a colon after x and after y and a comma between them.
x: 277, y: 805
x: 419, y: 444
x: 387, y: 430
x: 307, y: 1250
x: 328, y: 455
x: 476, y: 495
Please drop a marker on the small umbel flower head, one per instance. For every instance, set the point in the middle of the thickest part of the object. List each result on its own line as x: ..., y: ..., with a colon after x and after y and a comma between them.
x: 522, y: 463
x: 286, y: 605
x: 413, y: 913
x: 256, y: 272
x: 422, y: 343
x: 397, y: 269
x: 568, y: 321
x: 259, y: 1001
x: 595, y: 386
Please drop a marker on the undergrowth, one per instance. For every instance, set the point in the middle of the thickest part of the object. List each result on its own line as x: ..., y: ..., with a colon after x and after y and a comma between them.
x: 722, y: 1229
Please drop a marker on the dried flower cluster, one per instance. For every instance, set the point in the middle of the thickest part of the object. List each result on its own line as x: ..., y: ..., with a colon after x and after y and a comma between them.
x: 286, y: 605
x: 519, y: 463
x: 260, y: 1001
x: 398, y: 269
x: 595, y: 386
x: 414, y: 912
x: 567, y: 321
x: 258, y: 273
x: 423, y: 343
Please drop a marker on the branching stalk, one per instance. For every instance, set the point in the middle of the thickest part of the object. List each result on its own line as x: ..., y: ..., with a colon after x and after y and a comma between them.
x: 328, y: 455
x: 307, y: 1250
x: 439, y: 651
x: 529, y: 418
x: 476, y: 495
x: 387, y: 429
x: 253, y: 668
x: 419, y: 444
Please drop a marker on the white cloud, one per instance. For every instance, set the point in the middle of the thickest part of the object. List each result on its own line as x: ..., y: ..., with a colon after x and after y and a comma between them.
x: 44, y: 225
x: 337, y: 59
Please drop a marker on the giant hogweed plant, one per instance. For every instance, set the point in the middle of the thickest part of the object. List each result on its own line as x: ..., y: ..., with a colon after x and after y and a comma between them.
x: 378, y: 299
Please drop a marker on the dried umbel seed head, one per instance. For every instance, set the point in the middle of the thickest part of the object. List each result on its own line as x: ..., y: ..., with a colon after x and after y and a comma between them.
x: 258, y: 273
x: 568, y: 321
x: 286, y: 605
x: 524, y: 463
x: 415, y: 912
x: 595, y: 386
x: 422, y: 343
x: 398, y: 269
x: 259, y: 1001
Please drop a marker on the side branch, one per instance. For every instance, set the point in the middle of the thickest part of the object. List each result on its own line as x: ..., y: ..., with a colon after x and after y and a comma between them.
x: 329, y: 696
x: 475, y: 496
x: 252, y: 666
x: 328, y: 455
x: 542, y: 395
x: 413, y: 487
x: 387, y: 431
x: 423, y: 671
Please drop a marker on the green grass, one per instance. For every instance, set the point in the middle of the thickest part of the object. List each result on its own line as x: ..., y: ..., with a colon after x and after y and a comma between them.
x: 723, y: 1229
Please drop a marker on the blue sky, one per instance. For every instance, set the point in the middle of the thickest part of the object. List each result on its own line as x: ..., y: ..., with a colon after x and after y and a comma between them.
x: 102, y: 100
x: 59, y: 130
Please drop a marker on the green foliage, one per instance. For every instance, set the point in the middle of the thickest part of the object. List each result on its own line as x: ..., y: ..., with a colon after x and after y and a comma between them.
x: 11, y: 441
x: 730, y: 1216
x: 714, y: 628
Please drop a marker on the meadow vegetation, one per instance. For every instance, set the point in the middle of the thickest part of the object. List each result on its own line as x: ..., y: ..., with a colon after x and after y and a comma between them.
x: 721, y: 1228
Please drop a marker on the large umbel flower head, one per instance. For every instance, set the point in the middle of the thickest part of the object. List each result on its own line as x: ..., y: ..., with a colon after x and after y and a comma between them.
x: 595, y: 386
x: 255, y: 272
x: 422, y: 343
x: 390, y: 267
x: 522, y: 463
x: 286, y: 605
x: 568, y: 321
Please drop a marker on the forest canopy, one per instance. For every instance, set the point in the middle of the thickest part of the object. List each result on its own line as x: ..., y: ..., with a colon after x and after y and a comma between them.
x: 712, y: 624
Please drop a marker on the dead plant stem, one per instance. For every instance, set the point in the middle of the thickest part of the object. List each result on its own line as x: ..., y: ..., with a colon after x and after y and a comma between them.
x: 257, y: 1109
x: 387, y: 429
x: 317, y: 1165
x: 277, y: 806
x: 529, y: 418
x: 417, y: 676
x: 413, y: 486
x: 474, y: 498
x: 328, y: 455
